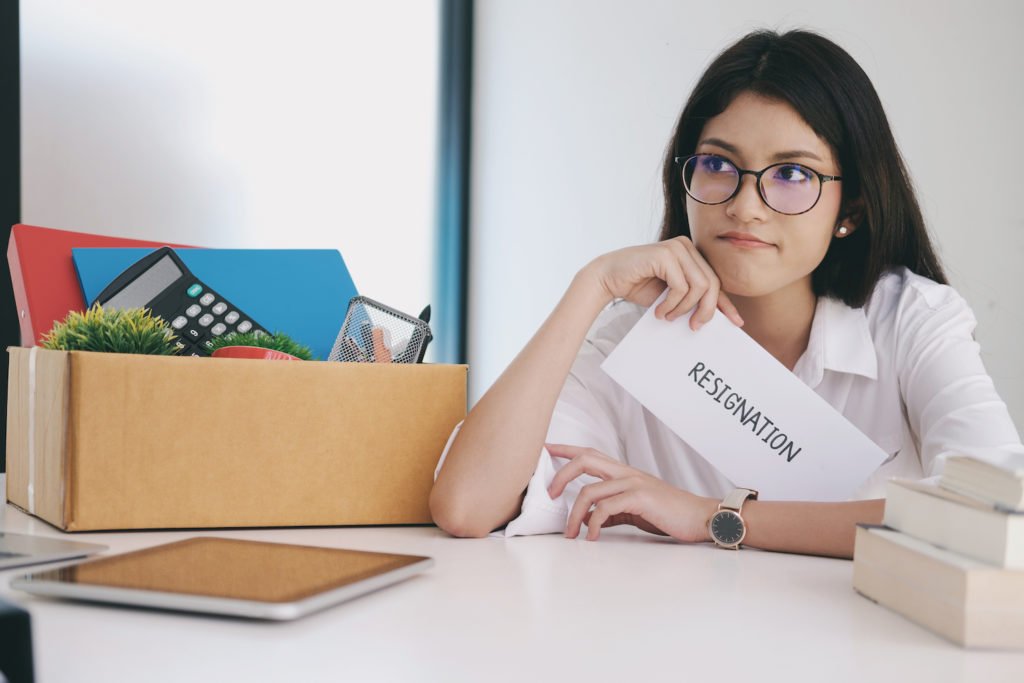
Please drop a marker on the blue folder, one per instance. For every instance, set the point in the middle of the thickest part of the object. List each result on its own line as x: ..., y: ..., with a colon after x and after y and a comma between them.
x: 301, y: 292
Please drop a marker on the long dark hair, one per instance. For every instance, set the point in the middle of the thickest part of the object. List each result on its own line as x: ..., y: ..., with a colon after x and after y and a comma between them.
x: 823, y: 83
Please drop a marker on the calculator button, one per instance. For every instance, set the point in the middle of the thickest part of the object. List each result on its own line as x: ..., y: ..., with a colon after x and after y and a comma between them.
x: 244, y: 326
x: 195, y: 290
x: 207, y: 299
x: 179, y: 322
x: 180, y: 346
x: 193, y: 334
x: 206, y: 320
x: 193, y: 310
x: 220, y: 308
x: 218, y: 329
x: 206, y: 346
x: 231, y: 317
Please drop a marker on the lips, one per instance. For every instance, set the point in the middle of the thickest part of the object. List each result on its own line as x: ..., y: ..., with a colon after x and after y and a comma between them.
x: 744, y: 239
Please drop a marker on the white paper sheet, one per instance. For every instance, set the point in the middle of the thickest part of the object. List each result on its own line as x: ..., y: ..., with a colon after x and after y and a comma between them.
x: 742, y: 410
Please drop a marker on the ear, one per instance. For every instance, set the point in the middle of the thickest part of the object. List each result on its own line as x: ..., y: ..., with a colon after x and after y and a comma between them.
x: 850, y: 218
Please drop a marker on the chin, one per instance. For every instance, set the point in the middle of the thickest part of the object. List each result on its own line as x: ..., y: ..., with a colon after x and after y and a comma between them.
x: 747, y: 290
x: 745, y: 282
x: 752, y: 285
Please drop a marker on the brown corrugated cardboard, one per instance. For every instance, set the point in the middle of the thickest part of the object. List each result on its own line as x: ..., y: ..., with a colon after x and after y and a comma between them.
x: 114, y: 441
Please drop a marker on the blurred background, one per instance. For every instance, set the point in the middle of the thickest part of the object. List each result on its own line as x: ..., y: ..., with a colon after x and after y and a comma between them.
x: 574, y: 104
x: 333, y: 124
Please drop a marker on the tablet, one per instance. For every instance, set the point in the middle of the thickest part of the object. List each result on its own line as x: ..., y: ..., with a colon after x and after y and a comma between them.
x: 17, y: 550
x: 228, y: 576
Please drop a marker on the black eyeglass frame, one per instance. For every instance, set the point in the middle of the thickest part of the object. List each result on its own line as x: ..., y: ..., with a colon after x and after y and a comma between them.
x: 822, y: 179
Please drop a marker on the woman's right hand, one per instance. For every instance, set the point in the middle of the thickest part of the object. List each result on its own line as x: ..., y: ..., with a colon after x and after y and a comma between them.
x: 640, y: 274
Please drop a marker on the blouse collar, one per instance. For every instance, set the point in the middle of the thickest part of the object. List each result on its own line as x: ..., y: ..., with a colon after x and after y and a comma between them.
x: 840, y: 341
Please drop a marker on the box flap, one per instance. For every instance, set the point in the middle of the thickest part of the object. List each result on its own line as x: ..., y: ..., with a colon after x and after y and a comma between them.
x: 37, y: 412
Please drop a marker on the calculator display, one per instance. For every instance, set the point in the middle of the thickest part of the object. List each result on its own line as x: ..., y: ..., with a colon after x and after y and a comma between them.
x: 144, y: 289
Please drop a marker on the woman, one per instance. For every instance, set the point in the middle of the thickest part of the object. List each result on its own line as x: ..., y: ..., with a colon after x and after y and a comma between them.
x: 788, y: 209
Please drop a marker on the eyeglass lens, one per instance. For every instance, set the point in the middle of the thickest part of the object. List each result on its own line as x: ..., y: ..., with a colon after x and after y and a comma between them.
x: 787, y: 188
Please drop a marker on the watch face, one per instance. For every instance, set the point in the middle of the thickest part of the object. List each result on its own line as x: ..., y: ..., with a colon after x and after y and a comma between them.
x: 727, y: 527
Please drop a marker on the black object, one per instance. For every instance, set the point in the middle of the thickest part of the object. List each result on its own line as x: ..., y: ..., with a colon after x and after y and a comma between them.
x: 10, y: 187
x: 161, y: 282
x: 15, y: 644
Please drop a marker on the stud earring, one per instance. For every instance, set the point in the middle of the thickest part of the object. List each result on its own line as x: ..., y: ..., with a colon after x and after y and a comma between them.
x: 842, y: 231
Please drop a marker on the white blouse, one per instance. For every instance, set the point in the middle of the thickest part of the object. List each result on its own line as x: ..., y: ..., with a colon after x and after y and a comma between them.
x: 904, y: 369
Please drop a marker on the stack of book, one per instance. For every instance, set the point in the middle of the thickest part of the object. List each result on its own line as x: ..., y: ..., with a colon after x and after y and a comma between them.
x: 950, y: 556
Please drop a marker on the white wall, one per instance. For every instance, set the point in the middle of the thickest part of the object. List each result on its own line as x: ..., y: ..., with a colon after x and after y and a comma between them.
x: 232, y: 123
x: 575, y: 101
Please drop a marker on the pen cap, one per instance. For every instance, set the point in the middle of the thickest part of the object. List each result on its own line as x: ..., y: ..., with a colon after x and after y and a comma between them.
x: 375, y: 333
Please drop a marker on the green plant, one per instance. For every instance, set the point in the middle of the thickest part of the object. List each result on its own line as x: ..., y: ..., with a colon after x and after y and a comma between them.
x: 128, y: 330
x: 278, y: 341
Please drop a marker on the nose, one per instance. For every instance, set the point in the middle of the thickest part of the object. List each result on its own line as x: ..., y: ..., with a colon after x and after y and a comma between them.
x: 747, y: 205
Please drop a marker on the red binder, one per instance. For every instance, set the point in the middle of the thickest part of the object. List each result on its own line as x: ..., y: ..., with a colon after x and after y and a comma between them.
x: 43, y: 274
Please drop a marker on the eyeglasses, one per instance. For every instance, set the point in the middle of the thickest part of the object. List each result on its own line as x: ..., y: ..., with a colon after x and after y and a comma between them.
x: 786, y: 187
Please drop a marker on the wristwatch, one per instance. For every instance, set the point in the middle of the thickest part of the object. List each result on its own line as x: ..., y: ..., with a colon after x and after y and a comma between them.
x: 726, y: 527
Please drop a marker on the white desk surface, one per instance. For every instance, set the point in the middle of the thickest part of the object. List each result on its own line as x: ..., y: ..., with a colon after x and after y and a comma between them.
x: 630, y: 607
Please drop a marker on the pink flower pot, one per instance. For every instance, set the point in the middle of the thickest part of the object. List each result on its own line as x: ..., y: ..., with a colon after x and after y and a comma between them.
x: 252, y: 352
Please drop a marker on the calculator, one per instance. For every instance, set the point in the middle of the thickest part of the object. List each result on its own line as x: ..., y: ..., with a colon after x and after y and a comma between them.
x: 161, y: 282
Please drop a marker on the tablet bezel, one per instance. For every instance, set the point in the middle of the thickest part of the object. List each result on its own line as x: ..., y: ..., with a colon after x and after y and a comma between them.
x: 35, y: 549
x: 44, y: 584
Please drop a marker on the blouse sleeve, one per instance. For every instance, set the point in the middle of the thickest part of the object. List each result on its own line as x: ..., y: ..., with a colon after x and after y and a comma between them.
x: 952, y: 405
x: 579, y: 419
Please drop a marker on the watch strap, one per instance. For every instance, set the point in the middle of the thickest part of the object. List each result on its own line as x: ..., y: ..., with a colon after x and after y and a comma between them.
x: 736, y: 498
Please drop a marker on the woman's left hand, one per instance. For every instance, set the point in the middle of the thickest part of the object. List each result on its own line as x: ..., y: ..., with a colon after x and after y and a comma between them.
x: 627, y: 496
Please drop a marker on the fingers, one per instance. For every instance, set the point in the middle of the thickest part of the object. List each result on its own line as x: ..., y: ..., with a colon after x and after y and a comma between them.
x: 676, y: 269
x: 605, y: 510
x: 701, y: 292
x: 604, y: 499
x: 589, y: 495
x: 691, y: 283
x: 711, y: 299
x: 582, y: 461
x: 647, y: 293
x: 564, y: 450
x: 615, y: 520
x: 641, y: 274
x: 679, y: 286
x: 705, y: 307
x: 726, y: 306
x: 699, y: 280
x: 623, y: 496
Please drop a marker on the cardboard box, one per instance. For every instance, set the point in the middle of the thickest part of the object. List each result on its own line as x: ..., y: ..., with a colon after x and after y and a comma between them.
x: 99, y: 441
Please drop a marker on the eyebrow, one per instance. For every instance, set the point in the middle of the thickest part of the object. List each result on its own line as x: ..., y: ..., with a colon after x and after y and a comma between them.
x: 778, y: 156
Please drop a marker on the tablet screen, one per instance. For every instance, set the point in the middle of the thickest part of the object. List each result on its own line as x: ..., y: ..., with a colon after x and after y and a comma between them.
x: 232, y: 568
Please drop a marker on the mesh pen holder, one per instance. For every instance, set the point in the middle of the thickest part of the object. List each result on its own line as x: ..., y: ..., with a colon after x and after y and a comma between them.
x: 375, y: 333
